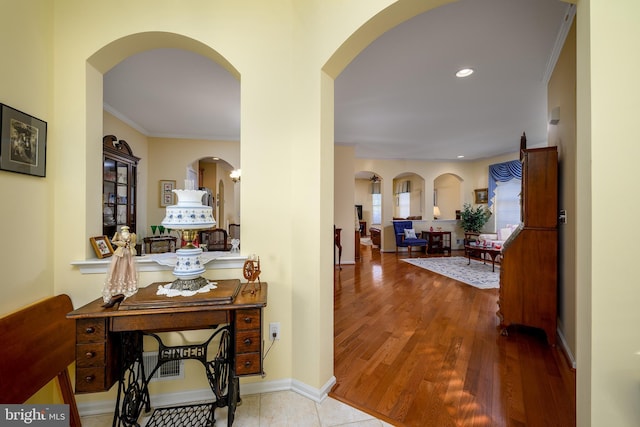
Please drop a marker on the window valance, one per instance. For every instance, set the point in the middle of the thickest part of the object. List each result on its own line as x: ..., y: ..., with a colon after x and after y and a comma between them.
x: 403, y: 187
x: 502, y: 172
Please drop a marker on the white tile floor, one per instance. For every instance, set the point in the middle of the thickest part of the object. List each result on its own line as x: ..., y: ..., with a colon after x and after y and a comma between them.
x: 278, y: 409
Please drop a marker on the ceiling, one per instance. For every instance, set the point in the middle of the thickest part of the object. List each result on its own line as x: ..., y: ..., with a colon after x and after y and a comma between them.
x: 399, y: 99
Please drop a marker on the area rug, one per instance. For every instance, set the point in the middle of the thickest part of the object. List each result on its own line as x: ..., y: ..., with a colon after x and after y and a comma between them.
x: 476, y: 274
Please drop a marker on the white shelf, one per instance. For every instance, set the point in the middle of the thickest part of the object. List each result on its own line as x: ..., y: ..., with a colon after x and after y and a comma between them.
x: 160, y: 262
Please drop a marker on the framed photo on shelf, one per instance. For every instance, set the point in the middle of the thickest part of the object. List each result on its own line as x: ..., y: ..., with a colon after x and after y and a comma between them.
x: 23, y: 142
x: 482, y: 195
x: 166, y: 193
x: 101, y: 246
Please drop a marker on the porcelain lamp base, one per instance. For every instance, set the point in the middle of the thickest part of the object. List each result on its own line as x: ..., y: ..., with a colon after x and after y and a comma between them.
x: 189, y: 284
x: 188, y: 269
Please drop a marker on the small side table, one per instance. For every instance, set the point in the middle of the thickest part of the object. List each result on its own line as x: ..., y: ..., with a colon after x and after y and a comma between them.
x: 438, y: 242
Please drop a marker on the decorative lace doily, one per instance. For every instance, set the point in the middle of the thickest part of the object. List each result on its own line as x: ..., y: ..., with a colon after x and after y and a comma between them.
x: 166, y: 290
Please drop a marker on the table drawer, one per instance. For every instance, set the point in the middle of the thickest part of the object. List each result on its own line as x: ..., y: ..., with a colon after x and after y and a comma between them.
x: 90, y: 354
x: 90, y: 330
x: 248, y: 319
x: 248, y: 364
x: 90, y: 380
x: 248, y: 341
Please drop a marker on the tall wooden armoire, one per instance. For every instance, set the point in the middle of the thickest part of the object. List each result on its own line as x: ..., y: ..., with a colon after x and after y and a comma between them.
x: 529, y: 266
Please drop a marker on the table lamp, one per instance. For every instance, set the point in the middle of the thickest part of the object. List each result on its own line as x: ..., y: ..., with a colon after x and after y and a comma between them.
x: 188, y: 217
x: 436, y: 212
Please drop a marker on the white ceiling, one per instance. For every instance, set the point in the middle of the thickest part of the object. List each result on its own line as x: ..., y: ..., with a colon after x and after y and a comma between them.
x: 399, y: 99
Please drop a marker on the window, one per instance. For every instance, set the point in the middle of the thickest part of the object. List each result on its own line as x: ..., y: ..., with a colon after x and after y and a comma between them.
x: 507, y: 203
x: 404, y: 205
x: 376, y: 208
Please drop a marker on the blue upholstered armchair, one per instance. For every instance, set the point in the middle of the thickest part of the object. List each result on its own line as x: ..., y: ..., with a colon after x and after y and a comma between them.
x: 402, y: 240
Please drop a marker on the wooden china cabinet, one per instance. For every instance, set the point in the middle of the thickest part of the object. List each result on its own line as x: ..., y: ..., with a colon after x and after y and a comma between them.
x: 119, y: 186
x: 529, y: 265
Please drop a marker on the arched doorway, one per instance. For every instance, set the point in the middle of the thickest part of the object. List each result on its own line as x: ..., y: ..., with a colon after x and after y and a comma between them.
x: 107, y: 60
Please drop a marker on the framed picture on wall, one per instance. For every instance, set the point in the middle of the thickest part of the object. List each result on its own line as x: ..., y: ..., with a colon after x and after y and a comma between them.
x: 23, y: 142
x: 482, y: 195
x: 166, y: 193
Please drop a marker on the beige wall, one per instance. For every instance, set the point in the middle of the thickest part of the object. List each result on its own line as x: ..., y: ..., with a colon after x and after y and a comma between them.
x: 472, y: 175
x: 363, y: 197
x: 287, y: 118
x: 562, y: 94
x: 344, y: 190
x: 607, y: 291
x: 448, y: 195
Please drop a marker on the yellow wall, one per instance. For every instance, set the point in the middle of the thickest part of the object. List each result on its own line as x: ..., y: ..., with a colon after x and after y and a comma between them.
x: 169, y: 158
x: 562, y: 94
x: 279, y: 49
x: 27, y: 263
x: 607, y: 116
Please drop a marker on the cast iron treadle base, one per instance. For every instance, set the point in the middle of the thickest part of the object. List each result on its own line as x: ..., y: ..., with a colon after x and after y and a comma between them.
x: 199, y: 415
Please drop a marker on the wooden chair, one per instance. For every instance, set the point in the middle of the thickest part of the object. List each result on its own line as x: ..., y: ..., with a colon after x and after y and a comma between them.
x: 215, y: 239
x: 38, y: 344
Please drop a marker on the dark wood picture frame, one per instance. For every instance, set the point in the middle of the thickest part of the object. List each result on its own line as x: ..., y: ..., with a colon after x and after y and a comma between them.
x: 101, y: 246
x: 481, y: 196
x: 23, y: 142
x: 166, y: 192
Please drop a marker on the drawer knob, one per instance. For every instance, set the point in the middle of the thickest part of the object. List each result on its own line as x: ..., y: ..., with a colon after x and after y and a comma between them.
x: 89, y: 378
x: 248, y: 320
x: 90, y: 330
x: 247, y: 363
x: 90, y: 354
x: 247, y: 341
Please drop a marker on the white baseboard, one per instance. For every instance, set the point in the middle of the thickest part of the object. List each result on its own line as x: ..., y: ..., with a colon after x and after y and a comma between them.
x: 317, y: 395
x: 179, y: 398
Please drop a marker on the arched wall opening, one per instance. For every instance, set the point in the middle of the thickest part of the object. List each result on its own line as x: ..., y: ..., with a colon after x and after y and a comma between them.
x: 447, y: 195
x: 338, y: 202
x: 155, y: 165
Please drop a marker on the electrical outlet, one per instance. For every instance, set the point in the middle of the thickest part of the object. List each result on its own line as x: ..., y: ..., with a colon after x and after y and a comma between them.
x: 274, y: 331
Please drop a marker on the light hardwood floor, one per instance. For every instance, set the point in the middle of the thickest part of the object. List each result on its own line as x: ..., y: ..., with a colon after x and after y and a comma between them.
x: 418, y: 349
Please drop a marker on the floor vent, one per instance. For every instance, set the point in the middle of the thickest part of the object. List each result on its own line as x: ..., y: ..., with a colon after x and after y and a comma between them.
x: 171, y: 370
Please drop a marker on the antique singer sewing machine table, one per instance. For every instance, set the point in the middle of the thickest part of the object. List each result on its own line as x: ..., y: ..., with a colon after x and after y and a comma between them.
x: 109, y: 344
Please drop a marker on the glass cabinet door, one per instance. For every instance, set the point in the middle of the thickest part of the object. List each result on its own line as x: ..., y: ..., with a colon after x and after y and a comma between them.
x: 109, y: 197
x: 118, y: 186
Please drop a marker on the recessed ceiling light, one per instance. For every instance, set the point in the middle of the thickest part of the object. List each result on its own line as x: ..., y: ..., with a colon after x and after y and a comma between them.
x: 215, y: 158
x: 465, y: 72
x: 461, y: 157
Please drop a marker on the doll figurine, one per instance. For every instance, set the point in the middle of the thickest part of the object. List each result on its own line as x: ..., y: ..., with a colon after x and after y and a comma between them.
x: 122, y: 277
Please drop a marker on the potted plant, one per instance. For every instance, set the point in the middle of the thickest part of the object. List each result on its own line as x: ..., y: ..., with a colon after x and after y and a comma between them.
x: 473, y: 219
